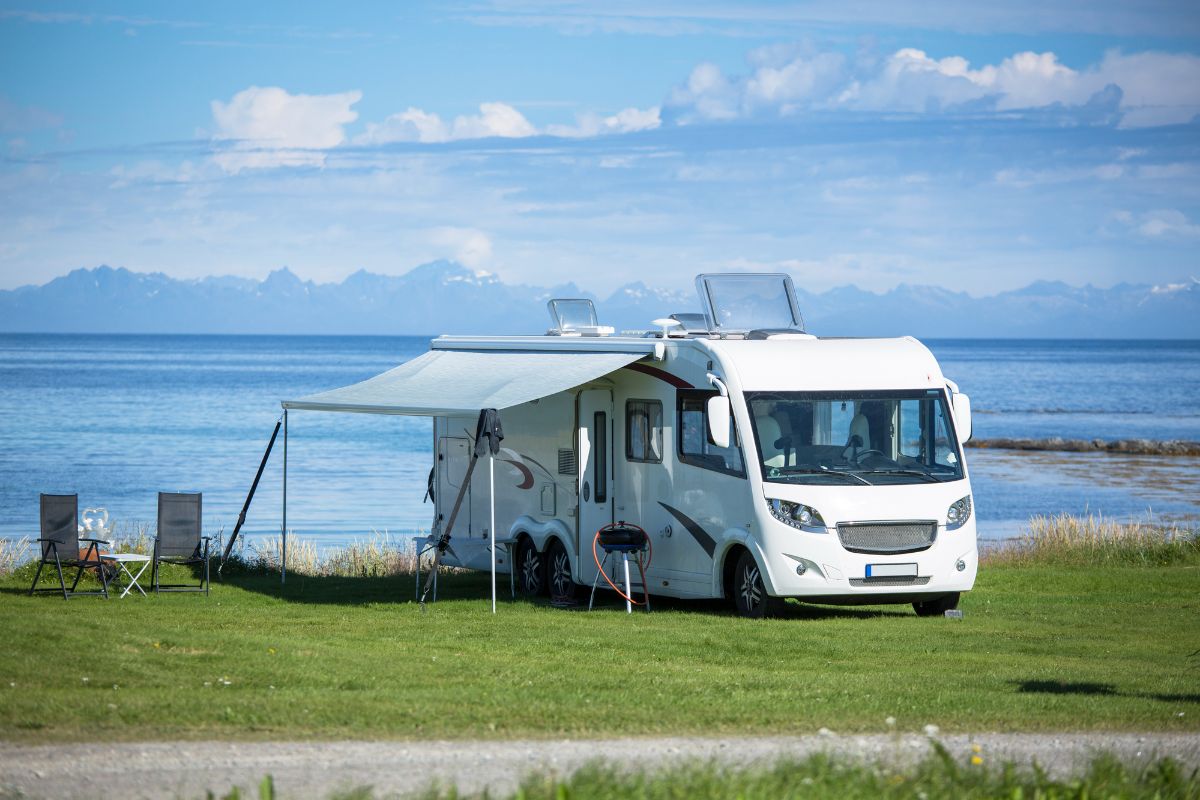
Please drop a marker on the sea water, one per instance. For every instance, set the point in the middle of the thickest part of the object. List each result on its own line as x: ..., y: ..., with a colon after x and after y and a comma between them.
x: 117, y: 419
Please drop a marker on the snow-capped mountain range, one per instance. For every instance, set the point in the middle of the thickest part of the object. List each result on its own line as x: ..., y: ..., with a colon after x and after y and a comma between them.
x: 445, y: 297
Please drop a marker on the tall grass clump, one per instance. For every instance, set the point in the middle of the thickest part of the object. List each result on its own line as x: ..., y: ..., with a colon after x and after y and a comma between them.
x: 1070, y: 540
x: 822, y: 777
x: 13, y: 553
x: 267, y: 555
x: 133, y: 537
x: 380, y: 556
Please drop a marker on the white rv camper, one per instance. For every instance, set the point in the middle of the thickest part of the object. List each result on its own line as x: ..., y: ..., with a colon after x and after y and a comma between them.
x: 762, y: 461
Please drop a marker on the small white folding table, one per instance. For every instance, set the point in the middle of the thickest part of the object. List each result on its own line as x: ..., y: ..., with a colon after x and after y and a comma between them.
x: 124, y: 560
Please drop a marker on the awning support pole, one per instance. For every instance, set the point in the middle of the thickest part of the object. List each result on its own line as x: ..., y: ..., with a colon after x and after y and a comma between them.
x: 241, y: 520
x: 492, y: 522
x: 283, y: 547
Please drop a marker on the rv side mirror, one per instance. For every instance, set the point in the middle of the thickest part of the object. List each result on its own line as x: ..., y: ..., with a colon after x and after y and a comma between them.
x: 962, y: 417
x: 718, y: 420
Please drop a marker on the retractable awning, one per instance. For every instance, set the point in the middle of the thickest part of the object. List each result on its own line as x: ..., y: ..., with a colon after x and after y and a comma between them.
x: 447, y: 382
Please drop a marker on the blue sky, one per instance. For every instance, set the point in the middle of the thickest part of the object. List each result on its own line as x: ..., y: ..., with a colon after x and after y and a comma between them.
x: 974, y: 146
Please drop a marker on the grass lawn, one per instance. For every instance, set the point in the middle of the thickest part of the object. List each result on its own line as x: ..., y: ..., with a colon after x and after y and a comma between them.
x: 1040, y: 648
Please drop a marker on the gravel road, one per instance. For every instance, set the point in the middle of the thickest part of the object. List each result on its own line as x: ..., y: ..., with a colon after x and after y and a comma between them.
x: 316, y: 770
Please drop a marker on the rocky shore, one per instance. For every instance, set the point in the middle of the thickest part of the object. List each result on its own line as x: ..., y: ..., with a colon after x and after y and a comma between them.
x: 1140, y: 447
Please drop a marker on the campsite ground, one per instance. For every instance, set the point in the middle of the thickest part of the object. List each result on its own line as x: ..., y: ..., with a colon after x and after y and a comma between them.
x: 1040, y: 648
x: 1043, y: 647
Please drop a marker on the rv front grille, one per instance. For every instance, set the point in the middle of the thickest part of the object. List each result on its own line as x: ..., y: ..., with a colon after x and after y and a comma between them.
x: 566, y: 462
x: 894, y: 581
x: 887, y: 537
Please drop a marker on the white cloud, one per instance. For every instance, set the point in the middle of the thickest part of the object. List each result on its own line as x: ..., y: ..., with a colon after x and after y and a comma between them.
x: 1160, y: 223
x: 411, y: 125
x: 1154, y: 88
x: 493, y: 119
x: 468, y: 246
x: 1157, y: 88
x: 1167, y: 222
x: 415, y: 125
x: 270, y: 127
x: 627, y: 120
x: 500, y: 120
x: 708, y: 94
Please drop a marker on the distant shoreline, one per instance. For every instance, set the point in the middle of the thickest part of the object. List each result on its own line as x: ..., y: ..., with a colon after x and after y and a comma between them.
x: 1139, y: 447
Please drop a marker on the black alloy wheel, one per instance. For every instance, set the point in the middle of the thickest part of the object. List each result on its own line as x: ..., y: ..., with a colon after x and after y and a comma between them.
x: 531, y: 571
x: 558, y: 573
x: 750, y: 596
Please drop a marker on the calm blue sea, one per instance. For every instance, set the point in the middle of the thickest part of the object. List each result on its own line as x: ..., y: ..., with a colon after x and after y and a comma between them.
x: 119, y: 418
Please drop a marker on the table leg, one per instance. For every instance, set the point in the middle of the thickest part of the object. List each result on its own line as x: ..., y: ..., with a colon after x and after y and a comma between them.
x: 133, y: 579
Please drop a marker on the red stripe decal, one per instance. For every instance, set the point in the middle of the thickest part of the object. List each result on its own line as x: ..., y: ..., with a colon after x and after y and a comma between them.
x: 662, y: 375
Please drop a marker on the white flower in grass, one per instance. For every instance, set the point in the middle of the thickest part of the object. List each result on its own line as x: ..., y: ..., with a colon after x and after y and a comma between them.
x: 932, y: 730
x: 85, y: 679
x: 890, y: 722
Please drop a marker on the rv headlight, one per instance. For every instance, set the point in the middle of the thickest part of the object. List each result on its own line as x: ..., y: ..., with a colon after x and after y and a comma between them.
x: 798, y: 515
x: 958, y: 513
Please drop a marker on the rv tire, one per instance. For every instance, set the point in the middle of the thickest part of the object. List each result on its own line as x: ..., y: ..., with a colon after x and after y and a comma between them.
x: 750, y: 597
x: 531, y: 569
x: 936, y: 607
x: 561, y: 585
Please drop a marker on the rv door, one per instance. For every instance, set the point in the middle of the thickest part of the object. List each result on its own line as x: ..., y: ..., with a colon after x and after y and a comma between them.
x: 595, y: 473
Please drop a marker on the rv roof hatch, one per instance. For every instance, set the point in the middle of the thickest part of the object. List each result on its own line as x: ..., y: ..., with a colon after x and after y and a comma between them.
x: 749, y: 301
x: 575, y: 317
x: 691, y: 323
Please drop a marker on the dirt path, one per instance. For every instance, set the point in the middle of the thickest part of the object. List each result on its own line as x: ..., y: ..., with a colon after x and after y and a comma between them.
x: 315, y: 770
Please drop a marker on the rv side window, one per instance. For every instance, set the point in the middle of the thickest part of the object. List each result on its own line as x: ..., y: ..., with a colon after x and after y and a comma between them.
x: 600, y: 451
x: 643, y: 431
x: 694, y: 445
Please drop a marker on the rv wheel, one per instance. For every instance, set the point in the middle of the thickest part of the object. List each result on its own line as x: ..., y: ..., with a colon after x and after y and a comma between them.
x: 530, y: 569
x: 750, y: 596
x: 558, y: 572
x: 938, y: 607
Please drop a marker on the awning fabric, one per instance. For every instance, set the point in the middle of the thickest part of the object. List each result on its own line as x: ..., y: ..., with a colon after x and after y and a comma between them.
x: 451, y: 382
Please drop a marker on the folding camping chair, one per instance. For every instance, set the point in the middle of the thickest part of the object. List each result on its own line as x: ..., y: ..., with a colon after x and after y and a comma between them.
x: 179, y: 539
x: 60, y: 545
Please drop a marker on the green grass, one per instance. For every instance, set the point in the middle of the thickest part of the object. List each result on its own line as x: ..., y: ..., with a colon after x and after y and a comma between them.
x: 1040, y: 648
x: 819, y: 777
x: 823, y: 778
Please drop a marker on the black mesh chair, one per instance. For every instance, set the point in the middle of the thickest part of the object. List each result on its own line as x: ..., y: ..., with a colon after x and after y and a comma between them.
x: 60, y: 545
x: 179, y: 539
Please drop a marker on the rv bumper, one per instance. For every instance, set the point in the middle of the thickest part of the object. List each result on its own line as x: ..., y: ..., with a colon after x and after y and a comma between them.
x: 798, y: 564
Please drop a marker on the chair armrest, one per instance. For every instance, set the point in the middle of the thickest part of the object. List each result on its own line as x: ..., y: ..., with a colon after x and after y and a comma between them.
x: 47, y: 540
x: 207, y: 538
x: 97, y: 541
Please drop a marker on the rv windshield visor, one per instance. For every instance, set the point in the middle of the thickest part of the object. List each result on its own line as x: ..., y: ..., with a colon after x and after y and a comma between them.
x: 883, y: 437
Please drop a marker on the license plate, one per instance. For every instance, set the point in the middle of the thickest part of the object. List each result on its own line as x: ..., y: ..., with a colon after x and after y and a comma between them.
x: 891, y: 571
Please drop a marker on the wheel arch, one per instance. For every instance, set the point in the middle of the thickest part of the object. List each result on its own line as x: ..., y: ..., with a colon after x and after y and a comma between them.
x: 729, y: 559
x: 540, y: 533
x: 725, y: 562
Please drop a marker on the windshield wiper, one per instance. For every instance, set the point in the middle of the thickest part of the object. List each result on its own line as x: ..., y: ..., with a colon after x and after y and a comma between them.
x: 901, y: 471
x: 822, y: 471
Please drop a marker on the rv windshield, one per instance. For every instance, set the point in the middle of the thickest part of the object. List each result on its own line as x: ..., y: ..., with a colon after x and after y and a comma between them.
x: 855, y: 438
